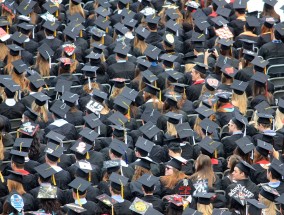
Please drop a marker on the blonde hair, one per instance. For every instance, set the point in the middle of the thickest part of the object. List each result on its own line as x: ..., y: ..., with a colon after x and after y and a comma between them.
x: 9, y: 17
x: 205, y: 209
x: 16, y: 186
x: 279, y: 119
x: 73, y: 9
x: 241, y: 102
x: 3, y: 51
x: 9, y: 66
x: 42, y: 112
x: 2, y: 149
x: 197, y: 128
x: 94, y: 85
x: 43, y: 66
x: 157, y: 104
x: 140, y: 44
x: 116, y: 91
x: 171, y: 129
x: 271, y: 207
x: 19, y: 79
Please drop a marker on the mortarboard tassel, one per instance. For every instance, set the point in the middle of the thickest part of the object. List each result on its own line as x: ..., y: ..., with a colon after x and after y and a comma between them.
x: 56, y: 13
x: 89, y: 83
x: 53, y: 180
x: 88, y: 156
x: 54, y: 34
x: 122, y: 190
x: 78, y: 197
x: 251, y: 156
x: 106, y: 30
x: 155, y: 84
x: 89, y: 177
x: 1, y: 177
x: 103, y: 40
x: 81, y: 33
x: 215, y: 153
x: 21, y: 146
x: 7, y: 29
x: 18, y: 134
x: 112, y: 210
x: 160, y: 95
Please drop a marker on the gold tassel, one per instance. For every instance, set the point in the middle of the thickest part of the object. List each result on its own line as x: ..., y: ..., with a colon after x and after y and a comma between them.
x: 46, y: 87
x: 81, y: 33
x: 122, y: 190
x: 56, y: 14
x: 53, y: 180
x: 155, y: 83
x: 90, y: 177
x: 74, y: 56
x: 7, y: 29
x: 128, y: 113
x: 106, y: 30
x: 21, y: 146
x: 103, y: 40
x: 215, y: 153
x: 127, y: 6
x: 54, y: 34
x: 265, y: 70
x: 112, y: 210
x: 88, y: 156
x: 160, y: 95
x: 1, y: 177
x: 18, y: 134
x: 58, y: 160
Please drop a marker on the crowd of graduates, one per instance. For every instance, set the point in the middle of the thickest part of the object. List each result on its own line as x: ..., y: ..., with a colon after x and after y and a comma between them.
x: 148, y: 107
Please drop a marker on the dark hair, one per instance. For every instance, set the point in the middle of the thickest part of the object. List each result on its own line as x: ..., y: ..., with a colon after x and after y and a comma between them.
x: 115, y: 153
x: 241, y: 10
x: 148, y: 189
x: 5, y: 125
x: 50, y: 206
x: 7, y: 209
x: 34, y: 150
x: 274, y: 174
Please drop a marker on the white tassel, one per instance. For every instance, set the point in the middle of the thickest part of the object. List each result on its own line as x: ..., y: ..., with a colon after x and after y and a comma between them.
x: 156, y: 138
x: 125, y: 138
x: 193, y: 139
x: 89, y: 82
x: 20, y: 95
x: 251, y: 157
x: 49, y: 59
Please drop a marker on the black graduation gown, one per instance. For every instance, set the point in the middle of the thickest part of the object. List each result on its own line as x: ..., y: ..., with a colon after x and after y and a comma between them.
x: 67, y: 77
x: 92, y: 193
x: 122, y: 70
x: 68, y: 130
x: 219, y: 165
x: 193, y: 92
x: 229, y: 143
x: 238, y: 26
x: 52, y: 43
x: 225, y: 182
x: 259, y: 175
x: 136, y: 189
x: 122, y: 208
x: 29, y: 202
x: 27, y: 57
x: 12, y: 112
x: 276, y: 140
x: 91, y: 209
x: 156, y: 69
x: 154, y: 38
x: 238, y: 42
x: 30, y: 165
x: 263, y: 39
x: 157, y: 203
x: 62, y: 179
x: 187, y: 150
x: 271, y: 49
x: 27, y: 101
x: 75, y: 118
x: 280, y: 188
x: 31, y: 46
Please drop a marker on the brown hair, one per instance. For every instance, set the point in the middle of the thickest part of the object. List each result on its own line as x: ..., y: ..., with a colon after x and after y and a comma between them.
x: 3, y: 51
x: 205, y: 209
x: 170, y: 181
x: 204, y: 170
x: 139, y: 171
x: 94, y: 85
x: 157, y: 104
x: 42, y: 112
x: 42, y: 65
x: 2, y: 149
x: 17, y: 186
x: 116, y: 91
x: 258, y: 157
x: 19, y: 79
x: 9, y: 66
x: 141, y: 45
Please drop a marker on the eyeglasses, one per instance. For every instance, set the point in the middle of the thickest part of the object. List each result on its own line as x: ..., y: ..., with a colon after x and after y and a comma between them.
x: 168, y: 168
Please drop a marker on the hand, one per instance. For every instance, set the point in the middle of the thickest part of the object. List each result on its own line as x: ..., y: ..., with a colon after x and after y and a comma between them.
x: 215, y: 53
x: 207, y: 54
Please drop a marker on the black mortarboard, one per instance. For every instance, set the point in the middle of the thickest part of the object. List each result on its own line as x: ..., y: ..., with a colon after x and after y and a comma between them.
x: 62, y: 85
x: 25, y: 27
x: 278, y: 166
x: 75, y: 18
x: 225, y: 12
x: 122, y: 104
x: 102, y: 23
x: 79, y: 185
x: 204, y: 112
x: 222, y: 60
x: 173, y: 26
x: 45, y: 51
x: 91, y: 71
x: 240, y: 4
x: 174, y: 118
x: 239, y: 87
x: 204, y: 198
x: 118, y: 118
x: 176, y: 162
x: 247, y: 44
x: 219, y: 21
x: 55, y: 137
x: 19, y: 37
x: 22, y: 143
x: 151, y: 89
x: 117, y: 181
x: 264, y: 148
x: 172, y: 14
x: 81, y: 147
x: 102, y: 11
x: 36, y: 81
x: 128, y: 93
x: 45, y: 170
x: 255, y: 206
x: 252, y: 21
x: 197, y: 37
x: 202, y: 24
x: 118, y: 146
x: 119, y: 82
x: 143, y: 64
x: 112, y: 164
x: 269, y: 192
x: 153, y: 19
x: 259, y: 64
x: 152, y: 52
x: 190, y: 211
x: 126, y: 13
x: 142, y: 32
x: 245, y: 145
x: 245, y: 167
x: 52, y: 26
x: 224, y: 96
x: 280, y: 199
x: 19, y: 66
x: 11, y: 88
x: 118, y: 131
x: 97, y: 94
x: 144, y: 144
x: 264, y: 118
x: 200, y: 67
x: 26, y: 7
x: 92, y: 120
x: 149, y: 76
x: 120, y: 29
x: 168, y: 59
x: 279, y: 28
x: 144, y: 162
x: 150, y: 114
x: 179, y: 87
x: 272, y: 3
x: 59, y: 108
x: 15, y: 176
x: 240, y: 120
x: 28, y: 128
x: 174, y: 76
x: 149, y: 129
x: 71, y: 31
x: 148, y: 180
x: 18, y: 156
x: 130, y: 23
x: 50, y: 7
x: 184, y: 130
x: 220, y: 3
x: 281, y: 105
x: 98, y: 47
x: 269, y: 22
x: 31, y: 114
x: 77, y: 209
x: 40, y: 98
x: 209, y: 145
x: 89, y: 134
x: 53, y: 151
x: 217, y: 211
x: 107, y: 200
x: 199, y: 14
x: 229, y: 70
x: 208, y: 125
x: 225, y: 43
x: 69, y: 98
x: 15, y: 48
x: 264, y: 107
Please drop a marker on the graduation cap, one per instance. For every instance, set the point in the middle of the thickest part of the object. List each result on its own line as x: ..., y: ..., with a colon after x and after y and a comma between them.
x: 22, y: 143
x: 175, y: 199
x: 152, y: 52
x: 139, y: 206
x: 15, y: 176
x: 174, y: 76
x: 264, y: 107
x: 247, y: 44
x: 25, y: 26
x: 111, y: 164
x: 75, y: 18
x: 208, y: 126
x: 204, y: 112
x: 69, y: 98
x: 245, y: 167
x: 148, y: 180
x: 229, y: 70
x: 200, y: 67
x: 197, y: 37
x: 219, y: 21
x: 272, y: 3
x: 277, y: 166
x: 281, y: 105
x: 28, y: 128
x: 72, y: 31
x: 184, y: 130
x: 91, y: 71
x: 19, y: 66
x: 53, y: 151
x: 40, y: 98
x: 16, y: 201
x: 102, y: 23
x: 172, y: 14
x: 92, y: 120
x: 102, y: 11
x: 89, y: 134
x: 130, y: 94
x: 152, y: 90
x: 81, y: 147
x: 152, y: 211
x: 269, y: 22
x: 55, y: 137
x: 107, y: 200
x: 168, y: 59
x: 279, y: 28
x: 84, y: 169
x: 199, y: 14
x: 176, y: 162
x: 69, y: 48
x: 76, y: 208
x: 225, y: 12
x: 150, y: 114
x: 118, y: 182
x: 98, y: 48
x: 209, y: 145
x: 225, y: 43
x: 245, y: 145
x: 119, y: 82
x: 211, y: 83
x: 239, y: 87
x: 255, y: 206
x: 179, y: 87
x: 11, y: 88
x: 142, y: 32
x: 31, y: 114
x: 62, y: 86
x: 47, y: 192
x: 118, y: 119
x: 149, y: 129
x: 264, y: 118
x: 118, y: 146
x: 240, y: 120
x: 45, y: 170
x: 144, y: 162
x: 18, y: 156
x: 144, y: 144
x: 50, y: 7
x: 152, y: 19
x: 173, y: 26
x: 269, y: 192
x: 202, y: 24
x: 190, y: 211
x: 79, y: 186
x: 240, y: 4
x: 222, y: 60
x: 204, y: 198
x: 51, y: 26
x: 130, y: 23
x: 120, y: 29
x: 36, y: 81
x: 60, y: 109
x: 220, y: 3
x: 122, y: 104
x: 119, y: 131
x: 126, y: 13
x: 174, y: 118
x: 264, y: 148
x: 19, y: 37
x: 252, y: 21
x: 169, y: 39
x: 26, y: 7
x: 143, y: 64
x: 217, y: 211
x: 15, y: 48
x: 99, y: 95
x: 224, y: 96
x: 259, y: 64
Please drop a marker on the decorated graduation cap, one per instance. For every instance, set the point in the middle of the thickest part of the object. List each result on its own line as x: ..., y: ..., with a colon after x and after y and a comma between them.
x: 18, y: 156
x: 75, y: 208
x: 81, y: 148
x: 118, y: 182
x: 259, y: 64
x: 239, y: 87
x: 4, y: 36
x: 111, y: 165
x: 53, y: 151
x: 224, y: 96
x: 47, y: 192
x: 40, y: 98
x: 119, y: 82
x: 245, y: 167
x: 150, y: 130
x: 28, y: 128
x: 209, y: 146
x: 175, y: 200
x: 269, y: 193
x: 211, y: 83
x: 139, y: 206
x: 229, y: 71
x: 255, y: 206
x: 169, y: 39
x: 264, y: 148
x: 108, y: 201
x: 245, y: 145
x: 269, y: 22
x: 204, y: 198
x: 176, y: 162
x: 65, y: 62
x: 152, y: 52
x: 16, y: 201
